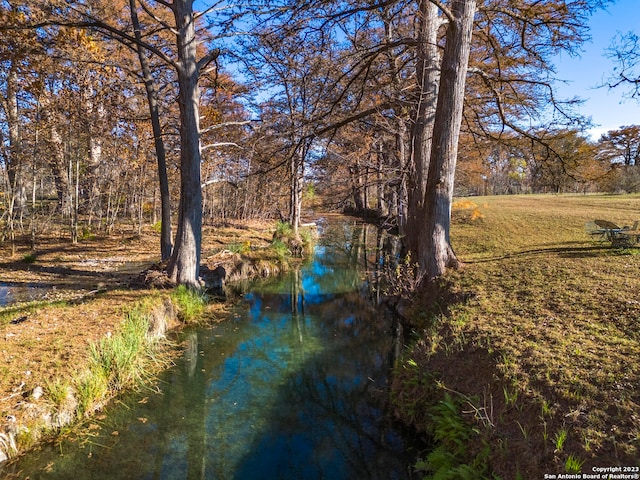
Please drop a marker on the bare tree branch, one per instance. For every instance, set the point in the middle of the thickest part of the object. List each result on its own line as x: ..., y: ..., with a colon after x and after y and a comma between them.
x: 220, y: 144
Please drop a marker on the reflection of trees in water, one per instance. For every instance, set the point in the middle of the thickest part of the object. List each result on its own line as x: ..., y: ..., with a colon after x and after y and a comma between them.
x: 370, y: 249
x: 179, y: 444
x: 375, y: 253
x: 308, y: 361
x: 194, y: 385
x: 328, y: 403
x: 328, y: 400
x: 345, y: 418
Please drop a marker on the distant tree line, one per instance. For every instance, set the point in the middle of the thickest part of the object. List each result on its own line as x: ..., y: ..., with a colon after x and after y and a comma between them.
x: 572, y: 164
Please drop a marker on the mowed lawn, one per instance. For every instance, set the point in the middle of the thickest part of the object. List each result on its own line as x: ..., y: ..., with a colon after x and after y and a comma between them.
x: 540, y: 345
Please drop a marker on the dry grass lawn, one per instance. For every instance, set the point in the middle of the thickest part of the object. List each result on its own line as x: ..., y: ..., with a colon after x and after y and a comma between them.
x: 543, y: 350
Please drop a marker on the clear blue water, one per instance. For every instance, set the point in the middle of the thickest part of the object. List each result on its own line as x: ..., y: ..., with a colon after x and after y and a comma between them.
x: 292, y: 386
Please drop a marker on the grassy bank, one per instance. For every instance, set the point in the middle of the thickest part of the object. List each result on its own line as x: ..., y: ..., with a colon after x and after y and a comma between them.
x: 527, y: 361
x: 99, y: 330
x: 128, y: 355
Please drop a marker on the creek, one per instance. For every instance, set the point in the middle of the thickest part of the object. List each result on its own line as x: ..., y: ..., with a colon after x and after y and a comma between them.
x: 292, y: 386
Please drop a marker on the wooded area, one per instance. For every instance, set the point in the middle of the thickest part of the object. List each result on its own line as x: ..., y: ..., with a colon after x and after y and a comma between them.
x: 140, y: 111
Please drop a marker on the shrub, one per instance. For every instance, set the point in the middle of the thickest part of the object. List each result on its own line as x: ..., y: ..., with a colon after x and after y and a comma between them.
x: 281, y: 250
x: 284, y: 231
x: 58, y: 391
x: 29, y: 257
x: 466, y: 211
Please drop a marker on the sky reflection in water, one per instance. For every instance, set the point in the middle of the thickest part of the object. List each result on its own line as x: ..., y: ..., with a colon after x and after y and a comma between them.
x: 290, y: 388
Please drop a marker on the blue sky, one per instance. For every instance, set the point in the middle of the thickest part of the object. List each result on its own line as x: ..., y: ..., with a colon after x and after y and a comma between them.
x: 606, y: 108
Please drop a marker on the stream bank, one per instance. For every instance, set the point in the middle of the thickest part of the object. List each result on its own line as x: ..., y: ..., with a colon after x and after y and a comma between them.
x: 78, y: 296
x: 313, y: 334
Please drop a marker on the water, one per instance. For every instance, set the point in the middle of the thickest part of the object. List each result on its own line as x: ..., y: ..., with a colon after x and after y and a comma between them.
x: 14, y: 293
x: 292, y: 386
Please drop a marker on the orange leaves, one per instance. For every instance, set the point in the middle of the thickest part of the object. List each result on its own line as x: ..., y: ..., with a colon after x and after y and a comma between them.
x: 466, y: 211
x: 80, y: 42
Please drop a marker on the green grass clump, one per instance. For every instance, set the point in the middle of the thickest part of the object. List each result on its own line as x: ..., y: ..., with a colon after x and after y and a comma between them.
x: 240, y: 248
x: 87, y: 234
x: 191, y: 303
x: 119, y: 358
x: 29, y: 257
x: 573, y: 464
x: 284, y: 230
x: 287, y: 243
x: 450, y: 458
x: 92, y: 387
x: 281, y: 250
x: 560, y: 438
x: 116, y: 362
x: 58, y: 390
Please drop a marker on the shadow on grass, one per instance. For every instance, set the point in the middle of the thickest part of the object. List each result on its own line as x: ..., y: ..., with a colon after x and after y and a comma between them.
x: 54, y: 283
x: 572, y: 250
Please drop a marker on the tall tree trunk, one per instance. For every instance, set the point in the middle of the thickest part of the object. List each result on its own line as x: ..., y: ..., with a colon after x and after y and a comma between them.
x: 402, y: 188
x: 356, y: 186
x: 59, y: 169
x: 380, y: 184
x: 366, y: 182
x: 152, y: 100
x: 395, y: 63
x: 16, y: 181
x: 184, y: 264
x: 95, y: 113
x: 435, y: 252
x: 295, y: 199
x: 72, y: 197
x: 56, y: 158
x: 428, y: 78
